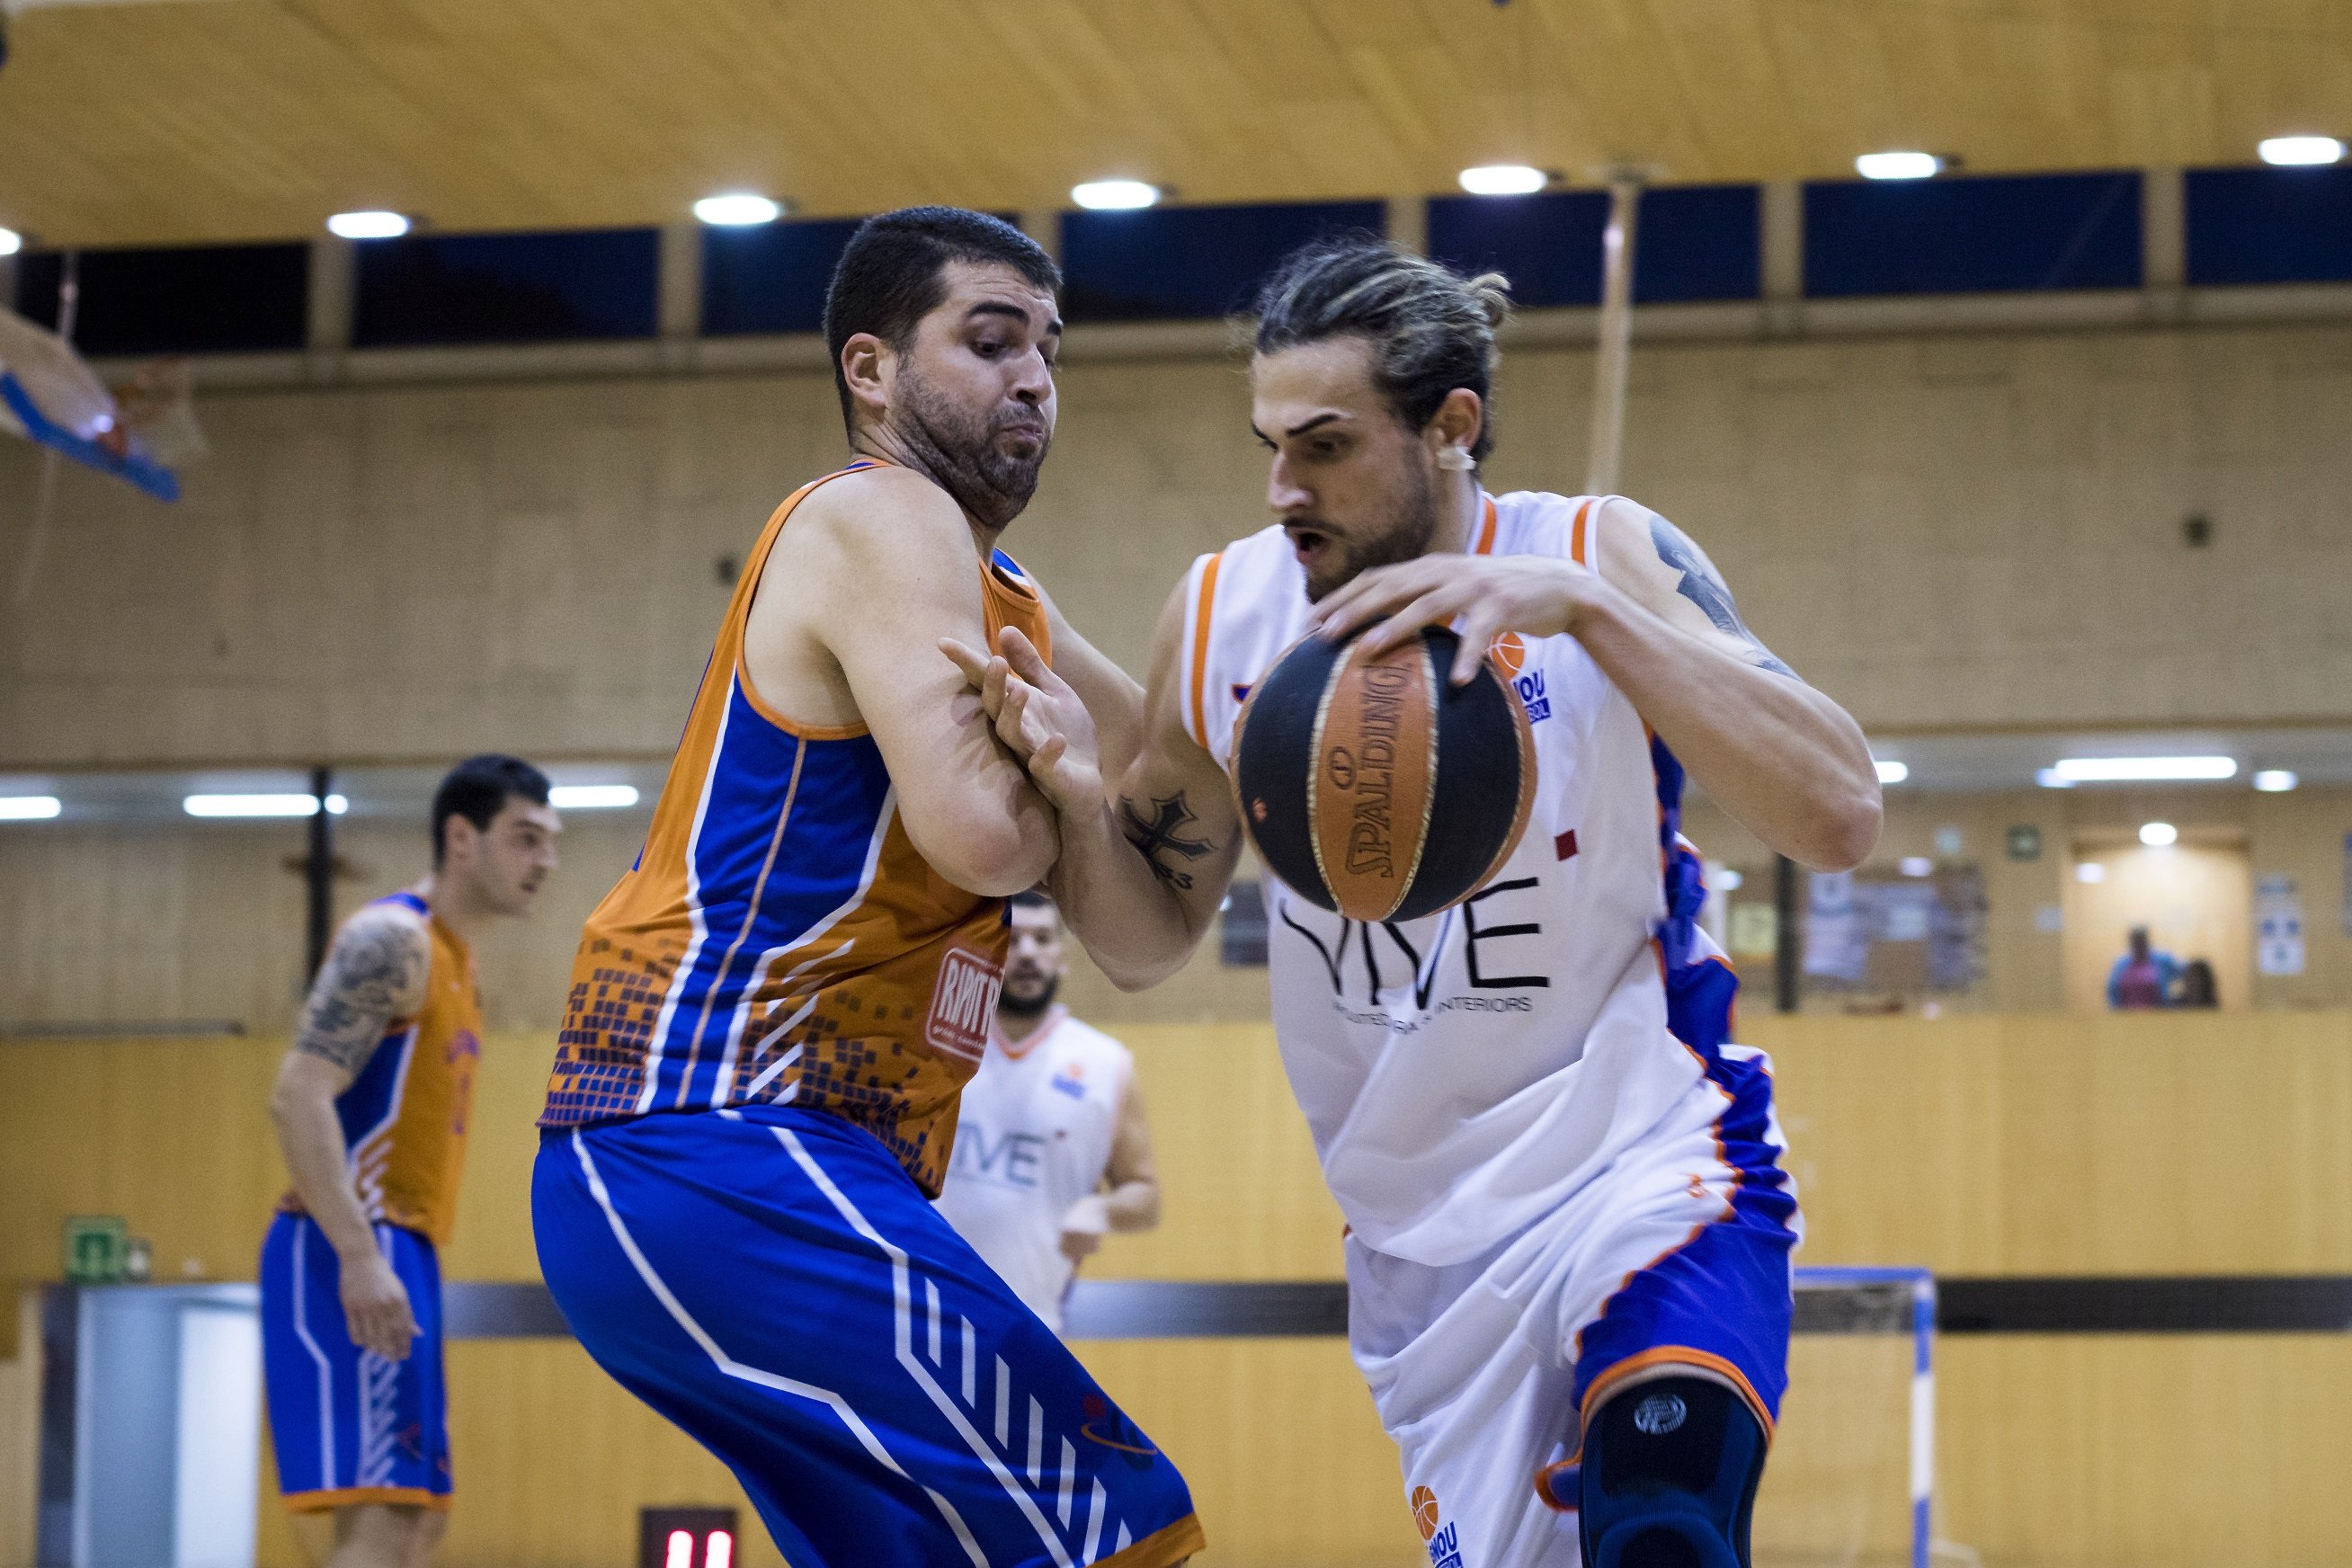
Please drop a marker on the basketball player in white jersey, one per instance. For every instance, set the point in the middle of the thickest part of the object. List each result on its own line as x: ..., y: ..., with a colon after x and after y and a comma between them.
x: 1051, y: 1149
x: 1570, y: 1235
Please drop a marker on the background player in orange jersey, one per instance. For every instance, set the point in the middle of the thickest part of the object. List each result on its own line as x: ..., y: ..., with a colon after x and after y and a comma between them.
x: 371, y: 1105
x: 773, y: 1013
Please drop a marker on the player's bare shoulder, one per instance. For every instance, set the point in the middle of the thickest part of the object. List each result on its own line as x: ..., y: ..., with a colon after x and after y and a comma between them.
x: 375, y: 974
x: 1663, y: 570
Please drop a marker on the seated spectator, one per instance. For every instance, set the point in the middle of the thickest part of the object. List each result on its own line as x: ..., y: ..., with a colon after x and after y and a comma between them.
x: 2197, y: 988
x: 2144, y: 977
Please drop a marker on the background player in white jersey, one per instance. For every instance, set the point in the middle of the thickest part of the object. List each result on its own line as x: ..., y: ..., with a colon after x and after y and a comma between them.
x: 1570, y: 1233
x: 1052, y: 1148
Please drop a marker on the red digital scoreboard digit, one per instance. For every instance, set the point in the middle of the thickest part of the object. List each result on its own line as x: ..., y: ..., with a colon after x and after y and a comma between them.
x: 685, y: 1538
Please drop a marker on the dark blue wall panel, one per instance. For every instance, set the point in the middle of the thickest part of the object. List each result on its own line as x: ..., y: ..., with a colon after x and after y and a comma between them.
x: 1972, y: 235
x: 1172, y: 263
x: 506, y: 288
x: 2270, y: 226
x: 1691, y: 243
x: 770, y: 279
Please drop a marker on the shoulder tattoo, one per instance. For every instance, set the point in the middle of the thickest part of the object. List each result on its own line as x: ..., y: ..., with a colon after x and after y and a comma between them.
x: 1702, y: 587
x: 375, y: 973
x: 1159, y: 837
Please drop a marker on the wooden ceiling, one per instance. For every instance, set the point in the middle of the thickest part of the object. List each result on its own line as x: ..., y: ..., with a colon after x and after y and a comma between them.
x: 130, y: 123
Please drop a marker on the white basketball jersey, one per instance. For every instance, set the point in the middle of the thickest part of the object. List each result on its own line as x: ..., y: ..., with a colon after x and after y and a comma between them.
x: 1465, y: 1073
x: 1033, y: 1137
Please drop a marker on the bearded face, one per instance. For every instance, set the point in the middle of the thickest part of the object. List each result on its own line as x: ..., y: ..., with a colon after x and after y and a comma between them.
x: 987, y: 458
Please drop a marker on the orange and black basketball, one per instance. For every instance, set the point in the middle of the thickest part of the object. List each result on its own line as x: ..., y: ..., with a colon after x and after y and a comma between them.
x: 1375, y: 786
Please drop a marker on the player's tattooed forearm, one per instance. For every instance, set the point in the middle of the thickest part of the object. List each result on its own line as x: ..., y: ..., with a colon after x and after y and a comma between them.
x: 1159, y: 839
x: 375, y: 975
x: 1702, y: 587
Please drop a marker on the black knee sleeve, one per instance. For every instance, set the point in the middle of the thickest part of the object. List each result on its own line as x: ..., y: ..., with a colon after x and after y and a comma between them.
x: 1670, y: 1467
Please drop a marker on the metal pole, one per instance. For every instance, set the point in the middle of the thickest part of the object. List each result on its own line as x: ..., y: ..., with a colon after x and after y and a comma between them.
x: 1616, y: 347
x: 319, y: 872
x: 1785, y: 949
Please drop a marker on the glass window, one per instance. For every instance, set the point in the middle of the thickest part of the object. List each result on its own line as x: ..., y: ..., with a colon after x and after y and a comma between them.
x: 770, y: 279
x: 205, y: 299
x: 2270, y: 226
x: 1691, y: 243
x: 1174, y: 263
x: 1972, y: 235
x: 506, y: 288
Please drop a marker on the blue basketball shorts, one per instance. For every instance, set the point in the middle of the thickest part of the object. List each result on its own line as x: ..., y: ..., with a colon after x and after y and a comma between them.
x: 772, y: 1282
x: 349, y: 1426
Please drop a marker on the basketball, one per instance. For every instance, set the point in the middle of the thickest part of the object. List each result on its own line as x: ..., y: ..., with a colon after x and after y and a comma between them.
x: 1375, y: 786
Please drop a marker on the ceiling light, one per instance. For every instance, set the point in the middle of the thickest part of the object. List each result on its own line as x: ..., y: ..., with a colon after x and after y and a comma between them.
x: 2301, y: 152
x: 1730, y: 881
x: 11, y: 242
x: 371, y: 224
x: 2090, y: 871
x: 1504, y: 180
x: 1898, y: 165
x: 2275, y: 780
x: 738, y: 209
x: 1916, y: 865
x: 28, y: 807
x: 261, y: 806
x: 2157, y: 835
x: 2051, y: 778
x: 591, y: 797
x: 1115, y: 196
x: 2144, y: 770
x: 1890, y: 770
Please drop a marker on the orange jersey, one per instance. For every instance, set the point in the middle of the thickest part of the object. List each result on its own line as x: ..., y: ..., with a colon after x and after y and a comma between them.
x: 778, y: 940
x: 404, y: 1115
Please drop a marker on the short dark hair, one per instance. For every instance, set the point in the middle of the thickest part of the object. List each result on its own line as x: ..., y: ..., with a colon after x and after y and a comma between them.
x: 479, y: 788
x: 1034, y: 899
x: 887, y: 279
x: 1430, y: 328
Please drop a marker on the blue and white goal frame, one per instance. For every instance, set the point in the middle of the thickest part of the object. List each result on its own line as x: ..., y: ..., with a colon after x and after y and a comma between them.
x: 1921, y: 1286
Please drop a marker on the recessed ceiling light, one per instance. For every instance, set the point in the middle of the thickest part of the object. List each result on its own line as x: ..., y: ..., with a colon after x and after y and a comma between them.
x: 2157, y: 835
x: 1504, y: 180
x: 1916, y: 865
x: 28, y: 807
x: 2144, y: 770
x: 2090, y: 871
x: 11, y: 242
x: 370, y: 225
x: 591, y: 797
x: 1891, y: 771
x: 1898, y: 165
x: 262, y: 805
x: 738, y: 209
x: 2301, y: 152
x: 2275, y: 780
x: 1115, y: 196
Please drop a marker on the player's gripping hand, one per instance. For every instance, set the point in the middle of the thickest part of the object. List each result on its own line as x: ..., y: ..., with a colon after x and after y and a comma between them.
x: 1037, y: 717
x: 375, y: 1306
x: 1084, y: 1226
x: 1536, y: 596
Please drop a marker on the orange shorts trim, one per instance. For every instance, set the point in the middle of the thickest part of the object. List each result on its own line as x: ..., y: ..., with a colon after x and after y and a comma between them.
x: 332, y: 1498
x: 1162, y: 1548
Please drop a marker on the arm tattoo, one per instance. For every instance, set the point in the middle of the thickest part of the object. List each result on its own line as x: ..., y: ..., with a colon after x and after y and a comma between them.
x: 1702, y: 587
x: 1170, y: 816
x: 375, y: 975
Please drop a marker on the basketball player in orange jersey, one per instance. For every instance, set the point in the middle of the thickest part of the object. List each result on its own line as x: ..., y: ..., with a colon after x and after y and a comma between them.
x: 371, y: 1105
x: 1570, y: 1233
x: 773, y: 1013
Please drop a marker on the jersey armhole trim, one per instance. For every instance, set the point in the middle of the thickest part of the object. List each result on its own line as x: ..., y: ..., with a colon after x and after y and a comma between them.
x: 1203, y: 609
x: 1580, y: 541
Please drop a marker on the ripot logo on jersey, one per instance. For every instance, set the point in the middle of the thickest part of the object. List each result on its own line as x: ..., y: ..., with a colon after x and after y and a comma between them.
x: 1510, y: 656
x: 962, y: 1003
x: 1444, y: 1539
x: 1372, y: 778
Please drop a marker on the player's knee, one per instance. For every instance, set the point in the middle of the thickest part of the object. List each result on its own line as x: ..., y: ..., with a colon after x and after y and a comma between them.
x: 1670, y: 1467
x: 426, y: 1530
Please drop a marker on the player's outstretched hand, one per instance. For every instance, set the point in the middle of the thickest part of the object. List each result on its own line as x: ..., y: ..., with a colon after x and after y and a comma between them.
x: 1037, y: 717
x: 375, y: 1306
x: 1537, y: 596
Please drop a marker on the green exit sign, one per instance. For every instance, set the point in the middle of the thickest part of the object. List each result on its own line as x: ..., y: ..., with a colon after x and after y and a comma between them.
x: 97, y: 1248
